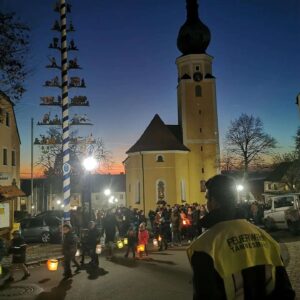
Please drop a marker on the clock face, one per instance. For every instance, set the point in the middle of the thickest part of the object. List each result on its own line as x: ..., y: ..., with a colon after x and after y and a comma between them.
x: 198, y: 76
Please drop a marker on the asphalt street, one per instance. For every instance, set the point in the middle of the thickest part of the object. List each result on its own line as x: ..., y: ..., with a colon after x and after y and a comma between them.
x: 163, y: 275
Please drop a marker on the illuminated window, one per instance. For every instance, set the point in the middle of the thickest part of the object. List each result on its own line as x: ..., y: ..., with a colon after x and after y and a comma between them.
x: 160, y: 189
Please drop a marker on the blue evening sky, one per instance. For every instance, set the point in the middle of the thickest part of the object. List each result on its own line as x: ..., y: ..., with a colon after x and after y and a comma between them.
x: 128, y: 51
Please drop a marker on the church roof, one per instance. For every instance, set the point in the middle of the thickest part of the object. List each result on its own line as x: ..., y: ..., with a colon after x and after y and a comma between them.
x: 158, y: 137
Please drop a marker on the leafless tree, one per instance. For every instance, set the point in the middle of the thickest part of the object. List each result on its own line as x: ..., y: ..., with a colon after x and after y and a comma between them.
x: 247, y: 140
x: 14, y: 42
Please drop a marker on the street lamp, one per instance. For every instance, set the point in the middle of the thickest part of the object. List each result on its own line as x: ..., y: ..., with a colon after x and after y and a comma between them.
x: 89, y: 164
x: 58, y: 202
x: 239, y: 188
x: 107, y: 192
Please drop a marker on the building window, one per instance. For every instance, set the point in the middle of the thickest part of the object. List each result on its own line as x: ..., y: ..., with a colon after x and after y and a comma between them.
x: 160, y: 188
x: 121, y: 196
x: 201, y: 148
x: 183, y: 191
x: 129, y: 188
x: 13, y: 157
x: 202, y: 186
x: 200, y: 112
x: 4, y: 159
x: 138, y: 193
x: 159, y: 158
x: 197, y: 68
x: 198, y: 91
x: 202, y: 170
x: 7, y: 119
x: 200, y: 129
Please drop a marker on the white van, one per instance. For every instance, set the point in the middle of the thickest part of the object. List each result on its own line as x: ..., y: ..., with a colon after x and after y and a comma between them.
x: 275, y: 210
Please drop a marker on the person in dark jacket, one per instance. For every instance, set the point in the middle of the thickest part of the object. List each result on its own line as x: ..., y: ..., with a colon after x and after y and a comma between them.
x: 18, y: 251
x: 69, y: 251
x: 132, y: 241
x: 93, y: 237
x: 234, y: 257
x: 110, y: 229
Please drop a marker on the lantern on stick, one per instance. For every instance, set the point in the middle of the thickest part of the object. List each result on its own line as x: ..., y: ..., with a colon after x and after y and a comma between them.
x: 159, y: 238
x: 155, y: 242
x: 125, y: 241
x: 120, y: 244
x: 98, y: 249
x: 140, y: 248
x: 52, y: 264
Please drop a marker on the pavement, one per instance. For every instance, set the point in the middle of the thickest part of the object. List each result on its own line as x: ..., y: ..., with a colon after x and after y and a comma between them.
x: 164, y: 274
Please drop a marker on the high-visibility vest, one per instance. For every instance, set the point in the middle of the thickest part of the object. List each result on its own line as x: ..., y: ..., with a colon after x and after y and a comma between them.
x: 234, y: 246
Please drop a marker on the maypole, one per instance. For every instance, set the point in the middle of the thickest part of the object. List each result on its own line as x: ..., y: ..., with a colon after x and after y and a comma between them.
x: 65, y: 109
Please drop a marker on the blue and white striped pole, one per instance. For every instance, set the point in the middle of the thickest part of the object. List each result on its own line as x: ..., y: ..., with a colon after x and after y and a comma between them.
x: 65, y: 109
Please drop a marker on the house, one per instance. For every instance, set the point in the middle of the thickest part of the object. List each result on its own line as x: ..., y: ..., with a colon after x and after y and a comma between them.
x: 9, y: 165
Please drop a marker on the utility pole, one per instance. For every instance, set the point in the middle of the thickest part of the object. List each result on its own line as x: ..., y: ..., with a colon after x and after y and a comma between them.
x: 32, y: 198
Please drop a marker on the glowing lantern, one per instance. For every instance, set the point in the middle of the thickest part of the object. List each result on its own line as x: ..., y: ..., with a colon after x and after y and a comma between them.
x: 77, y: 253
x: 159, y: 238
x: 155, y: 242
x: 98, y: 249
x: 140, y: 248
x: 184, y: 222
x: 120, y: 244
x: 52, y: 264
x: 125, y: 241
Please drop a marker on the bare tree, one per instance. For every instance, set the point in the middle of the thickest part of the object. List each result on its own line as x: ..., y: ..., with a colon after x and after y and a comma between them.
x: 51, y: 156
x: 247, y: 140
x: 14, y: 41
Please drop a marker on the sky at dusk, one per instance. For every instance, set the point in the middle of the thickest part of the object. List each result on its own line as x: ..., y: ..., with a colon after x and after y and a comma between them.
x: 128, y: 52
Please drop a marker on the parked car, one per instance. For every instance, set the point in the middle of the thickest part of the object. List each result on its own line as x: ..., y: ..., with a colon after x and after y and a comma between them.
x: 52, y: 213
x: 278, y: 212
x: 41, y: 229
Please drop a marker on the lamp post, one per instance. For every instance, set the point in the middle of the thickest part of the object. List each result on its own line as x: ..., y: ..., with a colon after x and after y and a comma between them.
x: 239, y: 188
x: 89, y: 164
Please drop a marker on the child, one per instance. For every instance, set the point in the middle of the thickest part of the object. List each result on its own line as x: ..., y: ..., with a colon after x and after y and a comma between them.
x: 131, y: 235
x: 18, y: 251
x: 143, y: 237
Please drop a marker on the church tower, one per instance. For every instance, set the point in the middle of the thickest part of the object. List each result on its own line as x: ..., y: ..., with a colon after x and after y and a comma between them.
x: 197, y: 107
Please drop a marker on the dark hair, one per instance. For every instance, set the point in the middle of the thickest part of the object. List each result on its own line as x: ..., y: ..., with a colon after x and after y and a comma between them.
x: 222, y: 189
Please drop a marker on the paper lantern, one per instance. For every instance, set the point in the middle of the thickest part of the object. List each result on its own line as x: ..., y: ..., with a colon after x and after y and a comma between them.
x: 155, y: 242
x: 159, y: 238
x: 125, y: 241
x: 184, y: 222
x: 52, y: 264
x: 120, y: 244
x: 77, y: 253
x: 98, y: 249
x: 140, y: 248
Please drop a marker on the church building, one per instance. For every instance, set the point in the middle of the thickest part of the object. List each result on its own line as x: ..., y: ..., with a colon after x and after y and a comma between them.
x: 171, y: 163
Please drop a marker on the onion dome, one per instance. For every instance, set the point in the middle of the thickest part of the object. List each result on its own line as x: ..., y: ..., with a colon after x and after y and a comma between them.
x: 193, y: 36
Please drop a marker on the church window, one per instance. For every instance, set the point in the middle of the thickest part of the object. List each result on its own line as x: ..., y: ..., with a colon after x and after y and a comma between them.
x: 138, y: 193
x: 202, y: 186
x: 197, y: 68
x: 161, y: 190
x: 159, y: 158
x: 200, y: 129
x: 202, y: 170
x: 183, y: 191
x: 198, y: 91
x: 200, y: 111
x: 201, y: 148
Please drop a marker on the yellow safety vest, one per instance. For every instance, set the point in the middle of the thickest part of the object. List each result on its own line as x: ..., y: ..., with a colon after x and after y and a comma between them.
x: 236, y: 245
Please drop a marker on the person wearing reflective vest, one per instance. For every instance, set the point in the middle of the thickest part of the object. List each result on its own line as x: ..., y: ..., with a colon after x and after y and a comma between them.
x: 234, y: 259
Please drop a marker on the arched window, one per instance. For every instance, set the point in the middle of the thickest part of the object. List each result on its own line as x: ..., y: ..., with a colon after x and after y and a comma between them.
x: 138, y: 192
x: 159, y: 158
x: 198, y: 91
x: 160, y: 190
x: 202, y: 186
